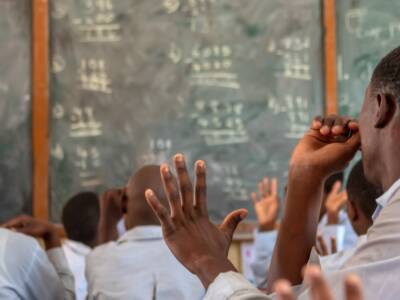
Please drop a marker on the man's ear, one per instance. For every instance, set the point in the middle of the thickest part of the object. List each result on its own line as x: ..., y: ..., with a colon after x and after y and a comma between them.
x: 352, y: 211
x: 386, y: 107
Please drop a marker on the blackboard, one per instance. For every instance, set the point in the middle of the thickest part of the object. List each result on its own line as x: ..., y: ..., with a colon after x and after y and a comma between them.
x: 367, y: 30
x: 15, y: 105
x: 232, y: 82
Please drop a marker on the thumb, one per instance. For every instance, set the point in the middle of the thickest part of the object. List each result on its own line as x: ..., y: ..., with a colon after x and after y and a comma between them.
x: 232, y: 220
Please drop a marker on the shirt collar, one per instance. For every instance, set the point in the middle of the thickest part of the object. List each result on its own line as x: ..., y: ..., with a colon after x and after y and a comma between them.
x: 142, y: 233
x: 77, y: 247
x: 384, y: 200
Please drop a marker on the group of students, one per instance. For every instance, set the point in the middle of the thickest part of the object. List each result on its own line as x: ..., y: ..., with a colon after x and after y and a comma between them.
x: 166, y: 247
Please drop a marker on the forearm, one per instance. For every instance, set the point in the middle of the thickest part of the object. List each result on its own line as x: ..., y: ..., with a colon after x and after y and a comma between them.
x: 51, y: 239
x: 298, y: 228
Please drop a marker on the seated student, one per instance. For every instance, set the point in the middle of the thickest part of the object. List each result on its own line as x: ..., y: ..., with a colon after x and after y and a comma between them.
x: 80, y: 218
x: 360, y: 207
x: 138, y: 265
x: 326, y: 148
x: 26, y: 271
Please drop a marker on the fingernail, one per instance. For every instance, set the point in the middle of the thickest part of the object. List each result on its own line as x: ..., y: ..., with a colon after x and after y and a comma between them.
x: 179, y: 158
x: 201, y: 164
x: 149, y: 193
x: 165, y: 169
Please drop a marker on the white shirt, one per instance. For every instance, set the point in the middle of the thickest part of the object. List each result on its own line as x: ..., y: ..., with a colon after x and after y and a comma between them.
x: 376, y: 262
x: 26, y: 272
x: 264, y: 243
x: 139, y: 266
x: 76, y: 253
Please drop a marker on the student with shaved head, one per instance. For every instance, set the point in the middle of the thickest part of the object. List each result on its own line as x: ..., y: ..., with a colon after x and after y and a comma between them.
x: 138, y: 265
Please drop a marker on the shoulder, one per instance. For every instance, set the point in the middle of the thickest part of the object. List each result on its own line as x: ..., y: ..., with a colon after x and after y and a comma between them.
x: 13, y: 243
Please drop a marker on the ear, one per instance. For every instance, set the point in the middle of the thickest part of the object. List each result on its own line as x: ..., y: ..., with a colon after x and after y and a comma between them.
x: 352, y: 211
x: 386, y: 105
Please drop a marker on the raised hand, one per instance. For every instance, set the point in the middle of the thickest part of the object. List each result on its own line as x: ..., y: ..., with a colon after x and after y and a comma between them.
x: 196, y: 242
x: 334, y: 203
x: 266, y: 205
x: 112, y: 208
x: 322, y: 248
x: 35, y: 228
x: 319, y: 288
x: 328, y: 146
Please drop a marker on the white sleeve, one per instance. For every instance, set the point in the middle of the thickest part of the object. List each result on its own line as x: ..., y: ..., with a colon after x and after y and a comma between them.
x: 233, y: 286
x: 264, y: 244
x: 59, y: 261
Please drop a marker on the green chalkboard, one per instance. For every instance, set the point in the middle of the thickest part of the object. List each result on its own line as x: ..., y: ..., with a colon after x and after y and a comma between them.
x: 367, y: 30
x: 15, y: 106
x: 232, y: 82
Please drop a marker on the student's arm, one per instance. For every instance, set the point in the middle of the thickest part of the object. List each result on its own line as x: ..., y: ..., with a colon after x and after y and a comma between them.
x: 334, y: 203
x: 322, y: 152
x: 42, y: 271
x: 111, y: 212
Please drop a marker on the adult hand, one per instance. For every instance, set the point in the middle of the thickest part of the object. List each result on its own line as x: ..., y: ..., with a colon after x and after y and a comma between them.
x: 334, y: 203
x: 328, y: 146
x: 35, y: 228
x: 322, y: 248
x: 111, y: 212
x: 267, y: 205
x: 196, y: 242
x: 319, y: 288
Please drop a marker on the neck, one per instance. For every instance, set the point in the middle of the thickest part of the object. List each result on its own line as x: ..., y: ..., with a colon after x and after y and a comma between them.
x: 131, y: 223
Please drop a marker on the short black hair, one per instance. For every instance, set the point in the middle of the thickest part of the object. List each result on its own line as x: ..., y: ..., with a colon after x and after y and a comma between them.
x: 80, y: 217
x: 331, y: 181
x: 386, y: 75
x: 362, y: 192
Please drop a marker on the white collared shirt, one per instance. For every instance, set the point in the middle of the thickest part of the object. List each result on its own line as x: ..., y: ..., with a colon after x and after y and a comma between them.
x: 26, y: 272
x: 138, y: 266
x: 383, y: 200
x: 376, y: 262
x: 76, y: 253
x: 264, y: 244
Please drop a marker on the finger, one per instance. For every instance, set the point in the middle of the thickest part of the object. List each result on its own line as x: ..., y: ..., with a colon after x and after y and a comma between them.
x: 338, y: 126
x: 318, y: 286
x: 266, y: 187
x: 274, y: 186
x: 342, y: 198
x: 17, y: 222
x: 283, y: 290
x: 185, y: 184
x: 333, y: 245
x: 322, y: 245
x: 171, y: 190
x: 336, y: 187
x: 353, y: 288
x: 232, y: 221
x: 254, y: 197
x: 317, y: 123
x: 201, y: 188
x: 160, y: 211
x: 327, y: 125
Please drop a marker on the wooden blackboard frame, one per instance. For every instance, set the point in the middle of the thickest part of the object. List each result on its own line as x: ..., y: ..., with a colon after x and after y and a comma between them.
x: 40, y: 94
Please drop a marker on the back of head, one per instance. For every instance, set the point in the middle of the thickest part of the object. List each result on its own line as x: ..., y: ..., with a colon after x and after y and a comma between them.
x: 362, y: 192
x: 80, y: 218
x: 331, y: 181
x: 386, y: 75
x: 138, y: 211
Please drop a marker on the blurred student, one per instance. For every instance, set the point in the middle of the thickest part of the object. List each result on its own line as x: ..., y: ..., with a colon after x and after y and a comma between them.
x: 332, y: 219
x: 80, y: 218
x: 138, y: 265
x: 28, y: 272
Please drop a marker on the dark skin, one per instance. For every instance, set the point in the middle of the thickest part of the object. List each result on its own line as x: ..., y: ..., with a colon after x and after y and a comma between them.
x: 36, y: 228
x: 201, y: 246
x: 359, y: 221
x: 380, y: 139
x: 129, y: 203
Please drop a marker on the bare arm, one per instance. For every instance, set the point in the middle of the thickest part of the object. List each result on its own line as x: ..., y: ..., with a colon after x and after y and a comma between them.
x: 323, y: 151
